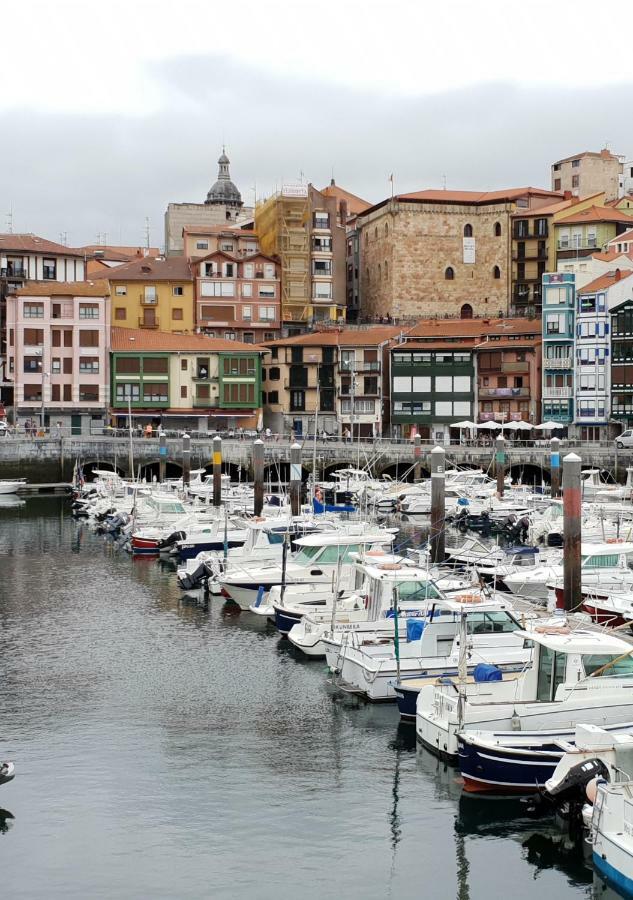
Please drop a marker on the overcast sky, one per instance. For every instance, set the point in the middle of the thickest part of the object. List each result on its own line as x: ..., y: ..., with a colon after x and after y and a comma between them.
x: 108, y: 114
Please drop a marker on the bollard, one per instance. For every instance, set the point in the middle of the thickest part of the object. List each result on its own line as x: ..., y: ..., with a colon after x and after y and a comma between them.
x: 500, y: 463
x: 572, y: 522
x: 417, y: 458
x: 554, y: 460
x: 438, y: 479
x: 162, y: 456
x: 186, y: 460
x: 295, y: 479
x: 258, y: 476
x: 217, y: 470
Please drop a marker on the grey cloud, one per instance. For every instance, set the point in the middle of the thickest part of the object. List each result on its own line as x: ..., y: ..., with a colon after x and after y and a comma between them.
x: 84, y: 174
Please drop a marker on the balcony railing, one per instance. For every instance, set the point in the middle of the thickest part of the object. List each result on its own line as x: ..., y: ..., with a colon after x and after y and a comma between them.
x: 148, y: 301
x: 557, y: 393
x: 147, y: 323
x: 504, y: 392
x: 515, y: 368
x: 201, y: 402
x: 14, y: 272
x: 559, y: 362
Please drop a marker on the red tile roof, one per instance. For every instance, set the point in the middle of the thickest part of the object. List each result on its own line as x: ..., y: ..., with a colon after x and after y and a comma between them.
x: 355, y: 205
x: 153, y: 268
x: 348, y: 337
x: 602, y: 154
x: 131, y: 339
x: 625, y: 236
x: 603, y: 282
x: 121, y: 254
x: 551, y: 208
x: 477, y: 197
x: 31, y: 243
x: 612, y: 255
x: 97, y: 288
x: 595, y: 214
x: 478, y: 327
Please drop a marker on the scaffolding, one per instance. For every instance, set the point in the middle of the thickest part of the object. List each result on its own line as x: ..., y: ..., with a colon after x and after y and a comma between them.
x: 282, y: 223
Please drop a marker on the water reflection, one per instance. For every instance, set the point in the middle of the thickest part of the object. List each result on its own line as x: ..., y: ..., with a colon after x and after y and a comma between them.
x: 7, y: 820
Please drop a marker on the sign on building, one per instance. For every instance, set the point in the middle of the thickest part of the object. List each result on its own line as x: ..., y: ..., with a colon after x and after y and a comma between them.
x: 469, y: 250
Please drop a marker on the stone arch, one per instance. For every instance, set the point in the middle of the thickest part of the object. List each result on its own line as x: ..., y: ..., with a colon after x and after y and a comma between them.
x: 152, y: 468
x: 497, y: 229
x: 529, y: 473
x: 496, y: 272
x: 449, y: 273
x: 89, y: 467
x: 403, y: 471
x: 468, y: 230
x: 466, y: 312
x: 234, y: 470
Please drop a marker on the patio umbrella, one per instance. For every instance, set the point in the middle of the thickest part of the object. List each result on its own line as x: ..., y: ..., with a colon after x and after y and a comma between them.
x: 490, y: 426
x: 520, y: 425
x: 548, y: 426
x: 465, y: 424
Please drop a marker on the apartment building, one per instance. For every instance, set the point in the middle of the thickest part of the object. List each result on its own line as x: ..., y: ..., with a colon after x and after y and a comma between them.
x: 155, y: 293
x: 451, y: 370
x: 199, y: 242
x: 58, y: 346
x: 589, y: 173
x: 585, y: 231
x: 238, y: 297
x: 621, y: 319
x: 27, y: 257
x: 623, y: 243
x: 441, y: 253
x: 338, y: 379
x: 184, y: 381
x: 100, y: 258
x: 302, y: 227
x: 559, y: 329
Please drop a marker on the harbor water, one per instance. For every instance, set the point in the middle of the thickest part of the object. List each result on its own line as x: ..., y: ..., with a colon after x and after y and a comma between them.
x: 168, y: 750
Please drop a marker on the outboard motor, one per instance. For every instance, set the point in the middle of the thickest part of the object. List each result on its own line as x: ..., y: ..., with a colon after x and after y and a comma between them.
x: 190, y: 580
x: 567, y: 796
x: 175, y: 536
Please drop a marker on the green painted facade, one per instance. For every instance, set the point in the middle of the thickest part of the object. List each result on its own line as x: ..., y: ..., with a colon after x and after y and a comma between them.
x: 145, y: 376
x: 240, y: 377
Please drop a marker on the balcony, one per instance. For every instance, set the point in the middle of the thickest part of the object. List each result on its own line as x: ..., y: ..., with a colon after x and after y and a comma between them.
x: 530, y: 255
x: 504, y: 392
x: 559, y: 362
x: 353, y: 366
x: 14, y: 272
x: 557, y: 393
x: 521, y: 293
x: 147, y: 323
x: 515, y: 368
x: 148, y: 301
x: 201, y: 403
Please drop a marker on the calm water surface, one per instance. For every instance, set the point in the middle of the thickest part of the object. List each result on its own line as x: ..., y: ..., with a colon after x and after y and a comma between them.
x: 170, y: 751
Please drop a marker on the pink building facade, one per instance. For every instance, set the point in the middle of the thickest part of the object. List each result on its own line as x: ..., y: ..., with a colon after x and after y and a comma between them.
x: 238, y: 297
x: 58, y: 343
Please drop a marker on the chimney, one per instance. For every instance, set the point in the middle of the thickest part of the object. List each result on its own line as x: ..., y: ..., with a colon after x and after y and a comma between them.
x: 567, y: 195
x: 343, y: 212
x: 332, y: 182
x: 618, y: 274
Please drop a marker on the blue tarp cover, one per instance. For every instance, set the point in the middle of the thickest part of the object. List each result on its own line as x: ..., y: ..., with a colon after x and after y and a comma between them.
x: 486, y: 672
x: 415, y: 627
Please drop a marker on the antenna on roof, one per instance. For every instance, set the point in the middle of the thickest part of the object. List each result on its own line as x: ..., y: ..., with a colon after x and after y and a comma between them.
x: 10, y: 220
x: 443, y: 182
x: 63, y: 238
x: 147, y: 232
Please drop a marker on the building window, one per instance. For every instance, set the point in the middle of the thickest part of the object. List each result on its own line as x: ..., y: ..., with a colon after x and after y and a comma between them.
x: 89, y: 393
x: 202, y: 245
x: 247, y: 290
x: 386, y: 270
x: 155, y: 365
x: 557, y: 184
x: 249, y: 337
x: 575, y: 163
x: 321, y: 266
x: 120, y: 290
x: 497, y: 229
x: 273, y: 374
x: 87, y: 338
x: 120, y: 313
x: 266, y: 313
x: 229, y: 269
x: 56, y: 365
x: 269, y: 335
x: 496, y: 272
x: 376, y: 233
x: 379, y: 272
x: 247, y: 312
x: 267, y: 292
x: 129, y: 391
x: 155, y: 393
x: 575, y: 181
x: 89, y: 365
x: 33, y: 310
x: 55, y: 393
x: 49, y: 268
x: 176, y: 314
x: 32, y: 364
x: 227, y: 247
x: 68, y: 365
x: 128, y: 365
x: 88, y: 311
x: 321, y: 219
x: 466, y: 312
x: 203, y: 392
x: 297, y: 401
x: 68, y: 393
x: 468, y: 230
x: 449, y: 273
x: 202, y: 367
x: 149, y: 294
x: 183, y: 391
x: 177, y: 290
x: 273, y: 397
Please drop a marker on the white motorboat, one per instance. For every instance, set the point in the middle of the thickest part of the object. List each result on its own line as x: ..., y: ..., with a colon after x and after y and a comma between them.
x: 7, y: 772
x: 602, y: 564
x: 316, y: 562
x: 371, y: 665
x: 575, y: 676
x: 369, y: 609
x: 8, y: 486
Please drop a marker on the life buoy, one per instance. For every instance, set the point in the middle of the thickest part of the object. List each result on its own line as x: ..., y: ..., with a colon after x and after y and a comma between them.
x: 468, y: 598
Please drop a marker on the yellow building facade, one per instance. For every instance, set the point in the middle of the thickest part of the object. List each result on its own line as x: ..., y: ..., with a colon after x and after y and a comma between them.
x: 155, y: 293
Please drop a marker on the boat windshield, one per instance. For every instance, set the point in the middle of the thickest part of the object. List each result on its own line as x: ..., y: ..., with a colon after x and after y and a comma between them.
x: 608, y: 561
x: 173, y: 507
x: 599, y: 664
x: 494, y: 622
x: 306, y: 554
x: 417, y: 590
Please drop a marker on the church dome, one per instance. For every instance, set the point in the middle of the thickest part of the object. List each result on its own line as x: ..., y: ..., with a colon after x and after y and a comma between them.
x: 224, y: 192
